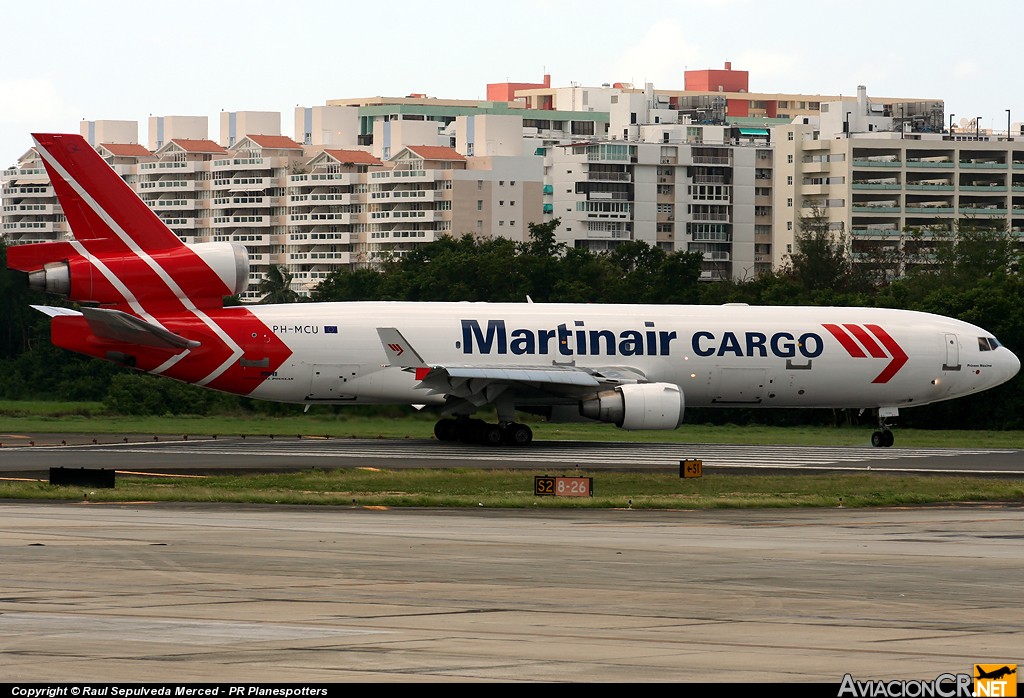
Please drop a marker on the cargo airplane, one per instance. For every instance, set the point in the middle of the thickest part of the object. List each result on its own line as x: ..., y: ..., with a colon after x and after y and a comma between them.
x: 149, y: 301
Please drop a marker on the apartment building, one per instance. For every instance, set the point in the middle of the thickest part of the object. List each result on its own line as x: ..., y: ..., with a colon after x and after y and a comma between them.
x: 327, y: 206
x: 713, y: 198
x: 249, y: 200
x: 875, y: 176
x: 350, y: 208
x: 712, y: 169
x: 30, y: 210
x: 178, y: 186
x: 708, y: 96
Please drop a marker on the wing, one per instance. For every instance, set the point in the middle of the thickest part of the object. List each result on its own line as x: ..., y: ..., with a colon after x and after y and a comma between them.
x: 481, y: 384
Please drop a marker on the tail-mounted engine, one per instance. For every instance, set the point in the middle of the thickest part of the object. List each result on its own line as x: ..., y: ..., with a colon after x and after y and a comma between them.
x: 115, y: 278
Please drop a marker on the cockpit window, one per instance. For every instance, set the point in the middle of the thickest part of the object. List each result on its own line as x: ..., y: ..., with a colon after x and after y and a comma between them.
x: 988, y: 343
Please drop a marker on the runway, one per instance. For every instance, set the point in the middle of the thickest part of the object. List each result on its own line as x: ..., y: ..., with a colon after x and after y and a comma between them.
x: 262, y: 453
x: 117, y: 593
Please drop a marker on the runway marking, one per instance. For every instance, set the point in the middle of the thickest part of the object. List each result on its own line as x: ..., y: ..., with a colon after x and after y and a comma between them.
x: 561, y: 453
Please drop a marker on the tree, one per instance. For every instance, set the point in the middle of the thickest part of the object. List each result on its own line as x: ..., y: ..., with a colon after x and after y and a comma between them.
x: 820, y: 258
x: 276, y: 287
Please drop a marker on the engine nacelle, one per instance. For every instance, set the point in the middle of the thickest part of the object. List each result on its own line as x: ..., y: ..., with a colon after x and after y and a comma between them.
x: 637, y: 406
x: 80, y: 278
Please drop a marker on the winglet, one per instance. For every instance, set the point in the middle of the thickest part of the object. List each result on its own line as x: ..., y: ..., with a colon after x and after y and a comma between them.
x: 398, y: 349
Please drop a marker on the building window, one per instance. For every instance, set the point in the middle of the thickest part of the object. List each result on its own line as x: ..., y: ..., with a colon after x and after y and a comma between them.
x: 480, y: 204
x: 789, y: 135
x: 479, y: 184
x: 789, y: 179
x: 789, y: 202
x: 789, y: 159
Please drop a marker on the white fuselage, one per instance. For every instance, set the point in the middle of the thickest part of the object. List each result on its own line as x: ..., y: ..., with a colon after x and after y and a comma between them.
x: 732, y: 355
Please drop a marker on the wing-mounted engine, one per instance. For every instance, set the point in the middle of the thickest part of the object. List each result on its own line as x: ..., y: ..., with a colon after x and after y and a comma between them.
x: 637, y: 406
x: 203, y: 272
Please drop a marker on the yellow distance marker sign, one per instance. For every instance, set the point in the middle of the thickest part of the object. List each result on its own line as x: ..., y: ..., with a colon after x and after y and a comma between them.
x: 691, y: 468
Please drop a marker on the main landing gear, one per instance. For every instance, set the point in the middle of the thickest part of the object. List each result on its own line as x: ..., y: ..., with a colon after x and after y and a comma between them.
x: 883, y: 437
x: 477, y: 431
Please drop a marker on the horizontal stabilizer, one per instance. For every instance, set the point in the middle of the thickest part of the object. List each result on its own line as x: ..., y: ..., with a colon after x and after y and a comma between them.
x: 53, y: 311
x: 122, y: 327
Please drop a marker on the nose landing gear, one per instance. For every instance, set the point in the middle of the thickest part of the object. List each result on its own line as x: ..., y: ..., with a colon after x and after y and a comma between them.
x: 883, y: 437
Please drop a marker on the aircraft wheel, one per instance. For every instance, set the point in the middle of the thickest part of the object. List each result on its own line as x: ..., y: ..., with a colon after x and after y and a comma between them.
x: 877, y: 439
x: 518, y: 435
x: 446, y: 430
x: 491, y: 435
x: 888, y: 439
x: 471, y: 431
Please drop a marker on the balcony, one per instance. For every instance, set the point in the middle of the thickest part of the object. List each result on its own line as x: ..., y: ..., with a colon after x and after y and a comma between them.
x: 245, y: 183
x: 242, y: 164
x: 598, y: 176
x: 923, y: 186
x: 935, y: 164
x: 324, y: 217
x: 168, y: 185
x: 722, y: 217
x: 717, y: 256
x: 31, y: 209
x: 328, y: 257
x: 983, y: 211
x: 876, y: 232
x: 875, y: 185
x: 168, y: 204
x: 30, y: 226
x: 26, y: 173
x: 403, y: 236
x: 404, y: 176
x: 877, y: 163
x: 172, y: 166
x: 240, y: 220
x: 971, y: 164
x: 316, y: 237
x: 328, y: 177
x: 384, y: 216
x: 35, y: 192
x: 399, y: 195
x: 929, y: 210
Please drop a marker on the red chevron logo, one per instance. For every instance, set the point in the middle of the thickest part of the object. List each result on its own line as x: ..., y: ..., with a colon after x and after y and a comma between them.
x: 397, y: 348
x: 857, y: 340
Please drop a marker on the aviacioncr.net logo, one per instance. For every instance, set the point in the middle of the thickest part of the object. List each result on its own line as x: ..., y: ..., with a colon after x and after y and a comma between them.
x: 942, y: 686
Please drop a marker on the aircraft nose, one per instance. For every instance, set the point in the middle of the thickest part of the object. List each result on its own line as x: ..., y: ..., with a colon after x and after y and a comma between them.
x: 1011, y: 365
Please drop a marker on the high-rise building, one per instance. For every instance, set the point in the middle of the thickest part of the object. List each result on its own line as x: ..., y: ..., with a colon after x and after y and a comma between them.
x: 889, y: 182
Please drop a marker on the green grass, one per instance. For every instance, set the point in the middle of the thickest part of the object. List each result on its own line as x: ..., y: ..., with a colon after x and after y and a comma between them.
x: 28, y: 417
x: 514, y: 489
x: 505, y: 489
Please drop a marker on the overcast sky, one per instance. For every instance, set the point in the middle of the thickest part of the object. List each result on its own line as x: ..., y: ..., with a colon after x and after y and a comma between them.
x: 64, y: 61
